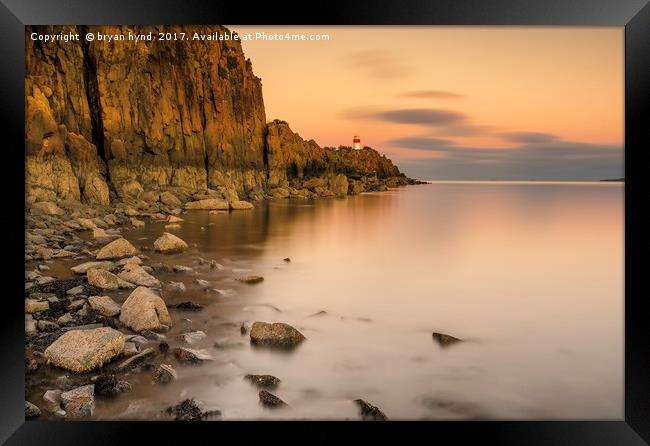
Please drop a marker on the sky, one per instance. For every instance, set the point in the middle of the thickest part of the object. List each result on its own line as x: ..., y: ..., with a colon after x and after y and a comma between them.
x: 454, y: 103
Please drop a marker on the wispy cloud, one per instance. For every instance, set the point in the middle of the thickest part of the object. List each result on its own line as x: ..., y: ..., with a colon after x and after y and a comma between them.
x: 431, y: 94
x: 377, y: 63
x: 550, y: 159
x: 528, y: 137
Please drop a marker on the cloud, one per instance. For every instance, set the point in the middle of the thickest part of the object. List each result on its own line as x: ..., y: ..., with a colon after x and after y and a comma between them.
x: 432, y: 117
x: 421, y: 116
x: 431, y: 94
x: 422, y: 143
x: 554, y: 159
x: 528, y: 137
x: 377, y: 63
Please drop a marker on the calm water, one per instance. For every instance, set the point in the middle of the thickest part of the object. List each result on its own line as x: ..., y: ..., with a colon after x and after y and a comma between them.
x: 530, y: 275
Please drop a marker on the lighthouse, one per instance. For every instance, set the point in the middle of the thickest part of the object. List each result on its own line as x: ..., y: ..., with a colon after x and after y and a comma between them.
x: 356, y: 142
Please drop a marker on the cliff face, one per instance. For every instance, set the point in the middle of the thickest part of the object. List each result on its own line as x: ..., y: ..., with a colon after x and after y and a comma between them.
x: 107, y: 120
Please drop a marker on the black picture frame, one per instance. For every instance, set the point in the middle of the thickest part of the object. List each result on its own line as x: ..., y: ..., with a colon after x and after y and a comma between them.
x: 634, y: 15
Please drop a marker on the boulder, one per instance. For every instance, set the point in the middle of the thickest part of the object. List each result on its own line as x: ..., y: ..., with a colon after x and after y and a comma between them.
x: 240, y: 205
x: 269, y: 400
x: 263, y: 381
x: 85, y: 350
x: 79, y: 402
x: 164, y: 374
x: 116, y: 250
x: 84, y: 267
x: 369, y: 412
x: 277, y: 334
x: 137, y: 223
x: 208, y: 204
x: 176, y: 287
x: 169, y: 243
x: 104, y: 305
x: 145, y: 310
x: 174, y: 219
x: 134, y: 273
x: 106, y: 280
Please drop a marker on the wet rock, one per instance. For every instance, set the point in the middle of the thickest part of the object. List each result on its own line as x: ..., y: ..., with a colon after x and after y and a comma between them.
x: 275, y: 335
x: 192, y: 337
x: 182, y: 269
x: 152, y: 335
x: 369, y: 412
x: 271, y: 401
x: 62, y: 253
x: 142, y: 357
x: 85, y: 350
x: 164, y: 374
x: 176, y: 287
x: 79, y: 402
x: 52, y: 399
x: 287, y: 259
x: 250, y: 279
x: 240, y: 205
x: 169, y: 243
x: 99, y: 233
x: 137, y: 223
x: 107, y: 385
x: 319, y: 313
x: 106, y: 280
x: 116, y: 249
x: 83, y: 327
x: 104, y: 305
x: 189, y: 410
x: 35, y: 306
x: 135, y: 274
x: 145, y: 310
x: 84, y: 267
x: 76, y: 305
x: 190, y: 306
x: 203, y: 283
x: 444, y: 340
x: 130, y: 349
x: 263, y: 381
x: 174, y: 219
x: 192, y: 356
x: 43, y: 268
x: 31, y: 410
x: 173, y: 226
x: 208, y: 204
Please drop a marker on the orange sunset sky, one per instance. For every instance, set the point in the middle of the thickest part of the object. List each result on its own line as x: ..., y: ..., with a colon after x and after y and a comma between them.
x: 455, y: 102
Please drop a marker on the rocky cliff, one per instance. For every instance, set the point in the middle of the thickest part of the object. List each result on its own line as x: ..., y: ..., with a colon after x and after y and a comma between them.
x: 110, y: 121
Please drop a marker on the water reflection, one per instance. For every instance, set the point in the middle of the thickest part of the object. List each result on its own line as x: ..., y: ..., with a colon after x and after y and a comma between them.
x: 530, y: 275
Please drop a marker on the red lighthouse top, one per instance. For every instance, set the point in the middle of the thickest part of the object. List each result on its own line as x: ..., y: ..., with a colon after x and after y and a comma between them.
x: 356, y: 139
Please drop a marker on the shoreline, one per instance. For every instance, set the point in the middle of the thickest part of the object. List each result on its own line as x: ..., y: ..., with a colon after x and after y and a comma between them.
x: 60, y: 239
